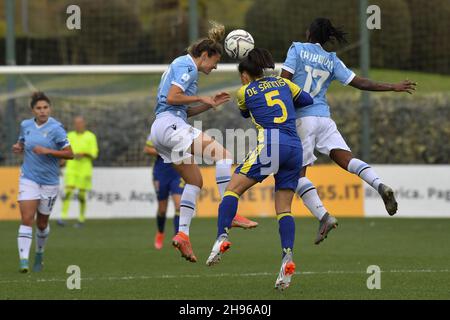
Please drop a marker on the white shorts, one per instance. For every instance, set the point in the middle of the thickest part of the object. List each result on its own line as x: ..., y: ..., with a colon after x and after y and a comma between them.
x: 172, y: 137
x: 321, y: 134
x: 30, y: 190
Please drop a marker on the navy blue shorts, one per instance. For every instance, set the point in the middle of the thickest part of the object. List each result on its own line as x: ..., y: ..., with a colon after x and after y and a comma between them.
x: 285, y: 164
x: 165, y: 186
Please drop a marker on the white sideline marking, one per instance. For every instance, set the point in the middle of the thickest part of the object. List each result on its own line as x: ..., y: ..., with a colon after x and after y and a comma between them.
x: 257, y: 274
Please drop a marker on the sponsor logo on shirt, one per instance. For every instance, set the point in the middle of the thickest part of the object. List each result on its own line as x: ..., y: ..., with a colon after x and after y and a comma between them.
x: 185, y: 78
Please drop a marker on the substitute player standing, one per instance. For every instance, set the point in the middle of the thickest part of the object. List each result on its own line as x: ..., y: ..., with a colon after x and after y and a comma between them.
x: 78, y: 172
x: 43, y: 141
x: 311, y: 67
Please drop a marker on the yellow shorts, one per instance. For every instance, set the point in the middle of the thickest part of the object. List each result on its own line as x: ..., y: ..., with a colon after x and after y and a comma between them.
x: 78, y: 181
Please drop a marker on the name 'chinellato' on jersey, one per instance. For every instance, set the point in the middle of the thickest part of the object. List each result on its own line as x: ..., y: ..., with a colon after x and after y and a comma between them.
x: 270, y: 103
x: 314, y: 69
x: 182, y: 73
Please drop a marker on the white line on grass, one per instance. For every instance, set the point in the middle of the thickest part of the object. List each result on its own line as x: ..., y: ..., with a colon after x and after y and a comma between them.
x: 218, y: 275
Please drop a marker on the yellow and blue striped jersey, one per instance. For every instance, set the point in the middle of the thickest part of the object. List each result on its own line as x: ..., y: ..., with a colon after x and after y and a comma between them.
x: 162, y: 171
x: 270, y: 103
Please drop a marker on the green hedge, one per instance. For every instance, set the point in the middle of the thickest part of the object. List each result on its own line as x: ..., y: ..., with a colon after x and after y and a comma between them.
x: 404, y: 130
x: 431, y: 41
x: 413, y: 35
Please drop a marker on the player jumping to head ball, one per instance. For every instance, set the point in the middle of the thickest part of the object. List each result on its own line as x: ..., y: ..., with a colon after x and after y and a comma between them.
x: 311, y: 67
x: 177, y: 142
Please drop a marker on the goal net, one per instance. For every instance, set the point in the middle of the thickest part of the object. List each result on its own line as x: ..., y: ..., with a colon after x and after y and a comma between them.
x: 117, y: 103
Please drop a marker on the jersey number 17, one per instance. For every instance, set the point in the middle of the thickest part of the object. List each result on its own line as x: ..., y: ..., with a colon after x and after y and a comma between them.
x: 314, y: 73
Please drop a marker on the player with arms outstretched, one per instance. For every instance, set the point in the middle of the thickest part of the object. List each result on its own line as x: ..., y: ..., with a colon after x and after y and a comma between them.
x: 271, y: 103
x: 177, y: 142
x: 313, y: 68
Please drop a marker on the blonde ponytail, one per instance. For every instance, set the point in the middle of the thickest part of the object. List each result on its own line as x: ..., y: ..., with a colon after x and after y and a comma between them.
x: 212, y: 44
x: 216, y: 32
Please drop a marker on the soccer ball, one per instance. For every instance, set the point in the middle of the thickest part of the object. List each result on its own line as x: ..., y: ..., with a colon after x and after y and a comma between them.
x: 238, y: 44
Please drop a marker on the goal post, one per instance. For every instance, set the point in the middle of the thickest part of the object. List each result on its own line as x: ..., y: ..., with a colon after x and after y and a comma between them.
x: 104, y: 69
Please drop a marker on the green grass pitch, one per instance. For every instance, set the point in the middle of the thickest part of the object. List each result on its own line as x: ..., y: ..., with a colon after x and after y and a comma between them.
x: 118, y: 261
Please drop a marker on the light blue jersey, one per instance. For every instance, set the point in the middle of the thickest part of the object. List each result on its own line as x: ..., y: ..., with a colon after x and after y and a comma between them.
x: 42, y: 169
x: 314, y: 69
x: 183, y: 73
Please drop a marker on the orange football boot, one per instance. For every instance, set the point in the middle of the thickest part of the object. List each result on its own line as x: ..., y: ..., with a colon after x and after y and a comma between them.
x: 243, y: 222
x: 159, y: 240
x: 183, y: 244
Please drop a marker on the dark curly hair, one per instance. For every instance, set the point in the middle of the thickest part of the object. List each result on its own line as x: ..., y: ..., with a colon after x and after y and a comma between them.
x: 321, y: 30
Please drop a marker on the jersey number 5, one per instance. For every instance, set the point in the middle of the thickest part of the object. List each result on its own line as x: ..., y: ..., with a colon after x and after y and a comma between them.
x: 314, y: 73
x: 271, y: 101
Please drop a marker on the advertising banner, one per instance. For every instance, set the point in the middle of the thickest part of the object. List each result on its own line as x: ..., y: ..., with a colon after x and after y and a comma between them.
x: 421, y: 191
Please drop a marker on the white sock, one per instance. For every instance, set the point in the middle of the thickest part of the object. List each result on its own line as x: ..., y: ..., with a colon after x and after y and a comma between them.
x: 187, y: 207
x: 310, y: 197
x: 365, y: 172
x: 41, y: 239
x: 223, y: 177
x: 24, y: 241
